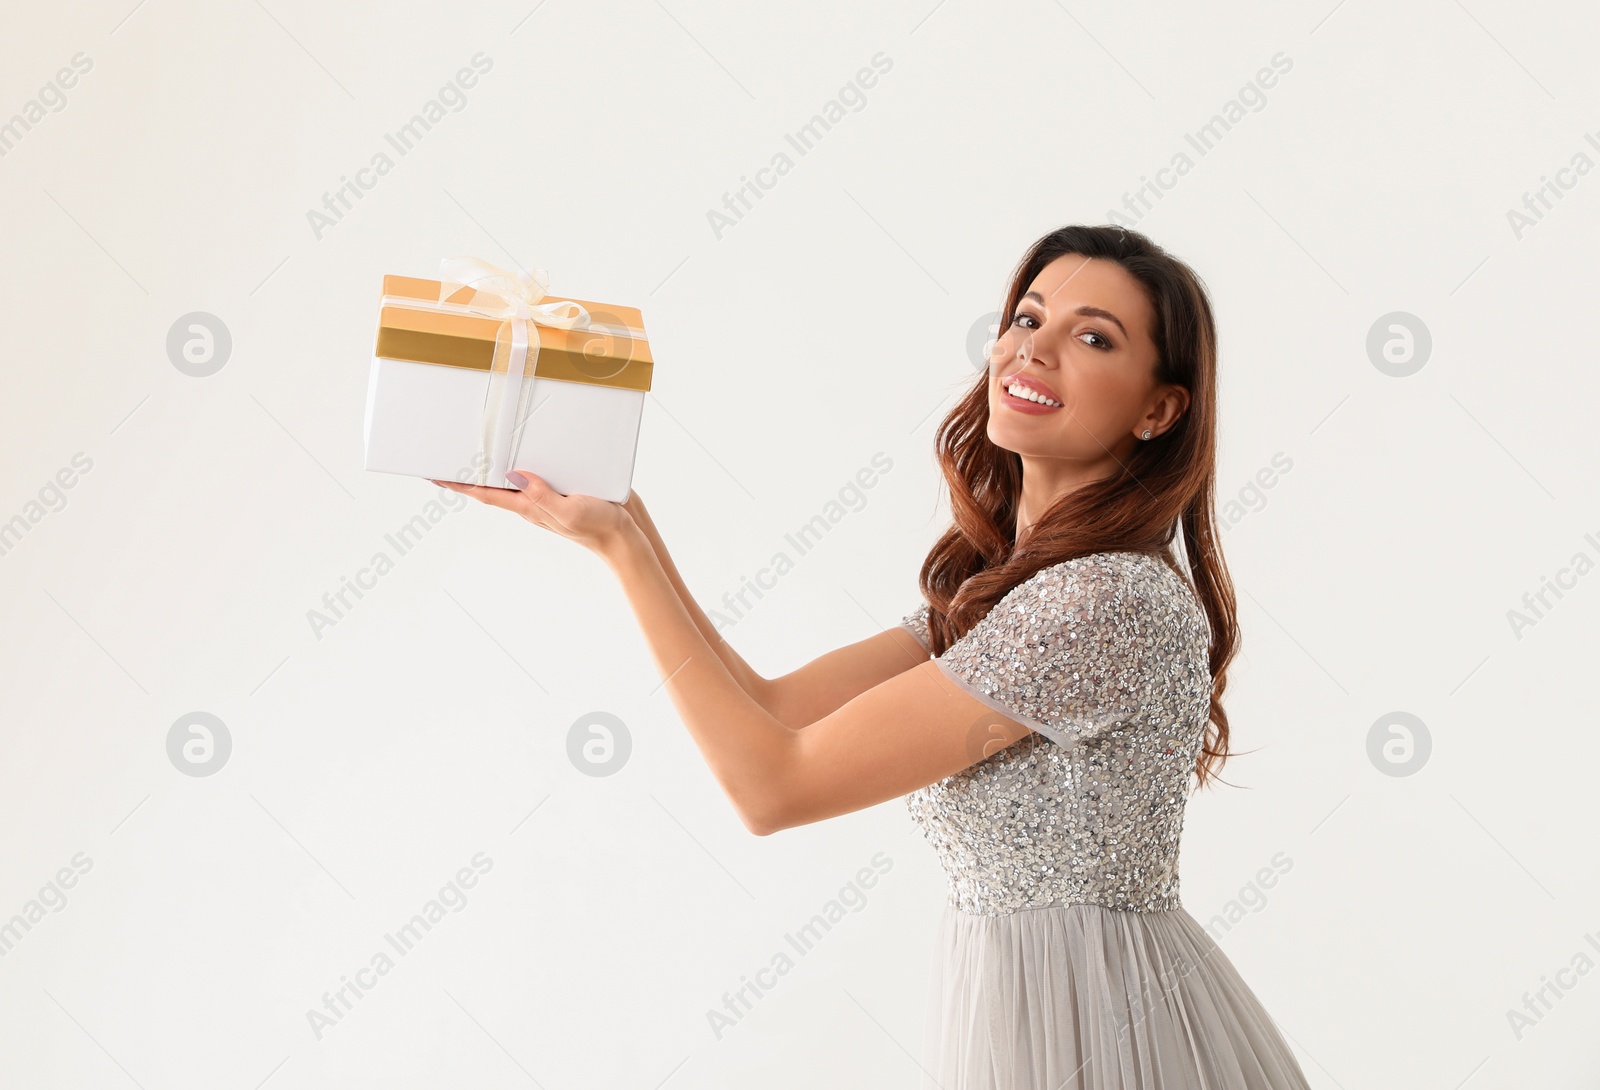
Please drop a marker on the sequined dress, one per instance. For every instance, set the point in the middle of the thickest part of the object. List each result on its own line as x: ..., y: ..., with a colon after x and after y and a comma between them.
x: 1065, y: 958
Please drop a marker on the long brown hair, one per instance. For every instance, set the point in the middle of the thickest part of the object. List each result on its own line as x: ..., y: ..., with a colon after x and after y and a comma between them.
x: 1166, y: 482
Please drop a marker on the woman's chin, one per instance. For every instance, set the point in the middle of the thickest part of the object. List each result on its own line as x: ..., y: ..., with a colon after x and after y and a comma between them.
x: 1028, y: 438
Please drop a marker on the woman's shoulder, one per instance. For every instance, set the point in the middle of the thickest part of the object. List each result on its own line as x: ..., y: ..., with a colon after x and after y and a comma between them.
x: 1105, y: 587
x: 1110, y: 571
x: 1083, y: 644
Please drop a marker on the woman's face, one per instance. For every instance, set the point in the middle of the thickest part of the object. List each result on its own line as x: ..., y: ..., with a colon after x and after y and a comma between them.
x: 1081, y: 341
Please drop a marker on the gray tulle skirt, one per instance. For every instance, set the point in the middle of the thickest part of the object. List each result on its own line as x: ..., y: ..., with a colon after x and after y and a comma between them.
x: 1086, y: 998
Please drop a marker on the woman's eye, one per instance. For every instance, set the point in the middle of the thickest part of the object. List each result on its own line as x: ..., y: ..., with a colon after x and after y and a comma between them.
x: 1103, y: 345
x: 1020, y: 317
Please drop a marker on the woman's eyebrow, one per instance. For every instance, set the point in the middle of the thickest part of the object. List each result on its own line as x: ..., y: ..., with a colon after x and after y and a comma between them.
x: 1096, y: 312
x: 1085, y: 310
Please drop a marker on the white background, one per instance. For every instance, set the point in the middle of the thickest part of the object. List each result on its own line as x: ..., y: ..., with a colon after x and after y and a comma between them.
x: 830, y: 323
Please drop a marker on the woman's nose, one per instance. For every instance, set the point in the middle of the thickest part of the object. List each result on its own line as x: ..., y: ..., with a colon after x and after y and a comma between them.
x: 1025, y: 350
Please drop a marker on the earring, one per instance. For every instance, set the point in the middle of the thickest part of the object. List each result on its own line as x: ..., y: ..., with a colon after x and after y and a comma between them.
x: 1146, y: 434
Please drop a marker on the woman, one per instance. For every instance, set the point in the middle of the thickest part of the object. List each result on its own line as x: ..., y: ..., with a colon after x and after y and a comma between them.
x: 1044, y: 711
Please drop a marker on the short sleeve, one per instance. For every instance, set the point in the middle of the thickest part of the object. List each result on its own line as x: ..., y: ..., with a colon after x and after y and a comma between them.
x: 916, y: 622
x: 1088, y: 646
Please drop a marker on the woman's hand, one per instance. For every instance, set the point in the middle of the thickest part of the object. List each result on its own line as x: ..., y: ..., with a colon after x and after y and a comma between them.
x: 602, y: 527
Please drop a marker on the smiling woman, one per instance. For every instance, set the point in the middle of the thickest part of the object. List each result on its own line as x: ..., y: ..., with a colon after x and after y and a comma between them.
x: 1044, y: 712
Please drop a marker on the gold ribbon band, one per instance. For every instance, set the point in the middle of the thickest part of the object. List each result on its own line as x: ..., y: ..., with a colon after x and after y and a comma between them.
x: 414, y: 325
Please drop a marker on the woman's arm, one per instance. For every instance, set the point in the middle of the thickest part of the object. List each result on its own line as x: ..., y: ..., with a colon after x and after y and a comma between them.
x: 803, y: 696
x: 752, y: 682
x: 915, y: 728
x: 908, y: 731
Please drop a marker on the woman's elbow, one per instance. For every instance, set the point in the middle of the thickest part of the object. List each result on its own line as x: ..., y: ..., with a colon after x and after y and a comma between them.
x: 777, y: 814
x: 772, y: 799
x: 759, y: 829
x: 763, y: 820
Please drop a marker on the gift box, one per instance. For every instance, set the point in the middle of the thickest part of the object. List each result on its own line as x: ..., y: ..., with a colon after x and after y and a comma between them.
x: 480, y: 372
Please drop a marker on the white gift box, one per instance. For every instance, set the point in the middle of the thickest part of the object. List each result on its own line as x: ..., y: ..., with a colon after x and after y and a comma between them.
x: 480, y: 373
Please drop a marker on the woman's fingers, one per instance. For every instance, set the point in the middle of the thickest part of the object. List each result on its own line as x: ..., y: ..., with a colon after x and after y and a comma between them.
x: 584, y: 519
x: 536, y: 501
x: 551, y: 509
x: 495, y: 497
x: 536, y: 495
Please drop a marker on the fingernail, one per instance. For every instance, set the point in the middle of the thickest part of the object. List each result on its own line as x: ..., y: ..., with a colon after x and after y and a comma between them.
x: 517, y: 479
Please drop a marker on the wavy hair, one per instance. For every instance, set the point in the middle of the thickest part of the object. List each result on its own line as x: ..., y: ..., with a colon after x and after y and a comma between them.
x: 1166, y: 483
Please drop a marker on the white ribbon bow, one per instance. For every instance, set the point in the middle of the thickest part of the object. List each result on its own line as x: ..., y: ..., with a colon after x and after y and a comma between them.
x: 501, y: 293
x: 513, y: 297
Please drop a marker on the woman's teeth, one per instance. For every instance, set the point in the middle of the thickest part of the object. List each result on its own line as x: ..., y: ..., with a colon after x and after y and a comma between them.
x: 1028, y: 393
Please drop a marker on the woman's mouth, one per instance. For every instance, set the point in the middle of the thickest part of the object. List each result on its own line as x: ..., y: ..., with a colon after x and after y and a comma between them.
x: 1028, y: 396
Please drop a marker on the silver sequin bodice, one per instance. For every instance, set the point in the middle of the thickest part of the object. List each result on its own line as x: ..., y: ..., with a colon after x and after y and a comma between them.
x: 1105, y: 656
